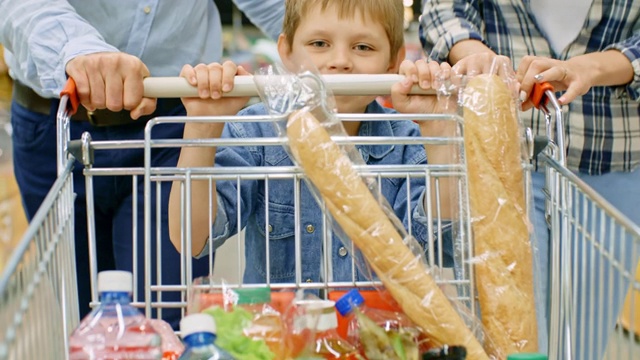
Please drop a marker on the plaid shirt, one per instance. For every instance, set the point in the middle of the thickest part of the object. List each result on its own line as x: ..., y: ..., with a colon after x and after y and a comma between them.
x: 603, y: 126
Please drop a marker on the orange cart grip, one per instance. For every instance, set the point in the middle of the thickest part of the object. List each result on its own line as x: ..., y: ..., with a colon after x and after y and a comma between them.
x: 70, y: 90
x: 538, y: 95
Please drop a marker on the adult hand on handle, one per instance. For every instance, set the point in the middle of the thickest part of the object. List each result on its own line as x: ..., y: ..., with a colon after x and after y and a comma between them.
x: 111, y: 80
x: 562, y: 75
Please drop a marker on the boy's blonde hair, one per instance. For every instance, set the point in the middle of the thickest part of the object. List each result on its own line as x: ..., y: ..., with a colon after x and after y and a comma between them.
x: 389, y: 13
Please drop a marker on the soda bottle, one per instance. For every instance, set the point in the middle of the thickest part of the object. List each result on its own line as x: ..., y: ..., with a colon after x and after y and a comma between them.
x: 267, y: 322
x: 373, y: 331
x: 115, y: 329
x: 199, y: 334
x: 316, y: 334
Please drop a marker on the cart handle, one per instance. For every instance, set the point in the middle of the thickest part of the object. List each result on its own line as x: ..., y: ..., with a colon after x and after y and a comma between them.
x: 539, y: 94
x: 174, y: 87
x: 70, y: 91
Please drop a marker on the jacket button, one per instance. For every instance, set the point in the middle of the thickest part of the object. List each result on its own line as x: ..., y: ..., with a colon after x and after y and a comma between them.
x: 342, y: 251
x: 310, y: 229
x: 147, y: 9
x: 270, y: 228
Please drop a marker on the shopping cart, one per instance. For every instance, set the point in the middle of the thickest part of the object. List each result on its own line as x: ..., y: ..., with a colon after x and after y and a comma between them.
x: 43, y: 263
x: 594, y: 253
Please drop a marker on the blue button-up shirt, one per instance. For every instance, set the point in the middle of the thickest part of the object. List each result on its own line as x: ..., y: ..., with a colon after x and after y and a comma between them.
x: 41, y: 36
x: 281, y: 222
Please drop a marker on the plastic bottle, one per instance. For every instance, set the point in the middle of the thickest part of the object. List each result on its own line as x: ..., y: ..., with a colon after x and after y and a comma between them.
x: 390, y: 322
x: 198, y: 332
x: 316, y: 326
x: 267, y: 322
x: 115, y: 329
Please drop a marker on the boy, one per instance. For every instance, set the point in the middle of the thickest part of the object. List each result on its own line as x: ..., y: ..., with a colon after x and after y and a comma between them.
x: 340, y: 37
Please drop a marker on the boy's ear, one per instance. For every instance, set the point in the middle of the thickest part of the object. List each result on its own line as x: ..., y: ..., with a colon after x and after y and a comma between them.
x: 394, y: 65
x: 284, y: 50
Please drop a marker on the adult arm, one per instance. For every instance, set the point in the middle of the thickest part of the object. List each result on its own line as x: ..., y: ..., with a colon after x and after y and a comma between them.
x: 451, y: 30
x: 267, y: 15
x: 42, y: 36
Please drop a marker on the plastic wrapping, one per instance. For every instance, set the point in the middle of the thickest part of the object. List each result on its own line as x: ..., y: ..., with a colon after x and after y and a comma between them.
x: 312, y: 330
x: 503, y: 254
x: 206, y: 293
x: 251, y: 317
x: 358, y: 213
x: 172, y: 347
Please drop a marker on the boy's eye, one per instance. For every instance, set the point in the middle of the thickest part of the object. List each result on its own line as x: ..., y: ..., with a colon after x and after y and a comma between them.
x: 363, y: 47
x: 318, y: 43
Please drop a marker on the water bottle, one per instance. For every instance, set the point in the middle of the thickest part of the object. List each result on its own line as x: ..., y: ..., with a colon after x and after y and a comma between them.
x: 199, y: 334
x: 114, y: 330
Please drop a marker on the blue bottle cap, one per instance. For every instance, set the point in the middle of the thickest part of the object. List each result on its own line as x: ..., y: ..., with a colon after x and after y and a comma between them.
x: 348, y: 301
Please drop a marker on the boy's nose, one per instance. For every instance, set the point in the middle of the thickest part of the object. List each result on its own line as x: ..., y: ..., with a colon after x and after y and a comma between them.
x: 340, y: 62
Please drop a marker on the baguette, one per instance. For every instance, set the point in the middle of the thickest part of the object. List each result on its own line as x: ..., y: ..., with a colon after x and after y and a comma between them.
x: 502, y: 249
x: 361, y: 217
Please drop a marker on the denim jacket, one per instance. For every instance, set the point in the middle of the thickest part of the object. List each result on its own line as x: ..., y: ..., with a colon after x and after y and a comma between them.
x: 281, y: 202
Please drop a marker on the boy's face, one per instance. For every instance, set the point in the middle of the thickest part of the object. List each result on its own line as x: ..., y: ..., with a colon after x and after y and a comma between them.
x: 351, y: 45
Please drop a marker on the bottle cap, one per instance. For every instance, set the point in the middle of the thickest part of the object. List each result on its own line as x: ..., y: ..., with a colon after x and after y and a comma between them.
x: 527, y: 356
x: 348, y: 301
x: 117, y: 281
x: 317, y: 315
x: 259, y: 295
x: 197, y: 323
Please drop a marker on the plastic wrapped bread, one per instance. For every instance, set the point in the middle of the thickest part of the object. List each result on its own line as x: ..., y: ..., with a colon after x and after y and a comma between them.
x: 362, y: 219
x: 503, y: 259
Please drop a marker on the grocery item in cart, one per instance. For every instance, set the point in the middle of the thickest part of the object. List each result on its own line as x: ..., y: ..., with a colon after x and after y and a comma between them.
x: 172, y: 347
x: 217, y: 293
x: 503, y: 257
x: 115, y: 329
x: 199, y: 333
x: 376, y: 232
x: 231, y: 324
x: 267, y: 322
x: 314, y: 332
x: 378, y: 333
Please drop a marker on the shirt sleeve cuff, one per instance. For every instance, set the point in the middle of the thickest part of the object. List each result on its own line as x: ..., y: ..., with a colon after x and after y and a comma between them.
x: 220, y: 232
x: 84, y: 45
x: 631, y: 49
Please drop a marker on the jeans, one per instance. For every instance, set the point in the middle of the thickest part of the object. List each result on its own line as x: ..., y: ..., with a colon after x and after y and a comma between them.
x: 34, y: 149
